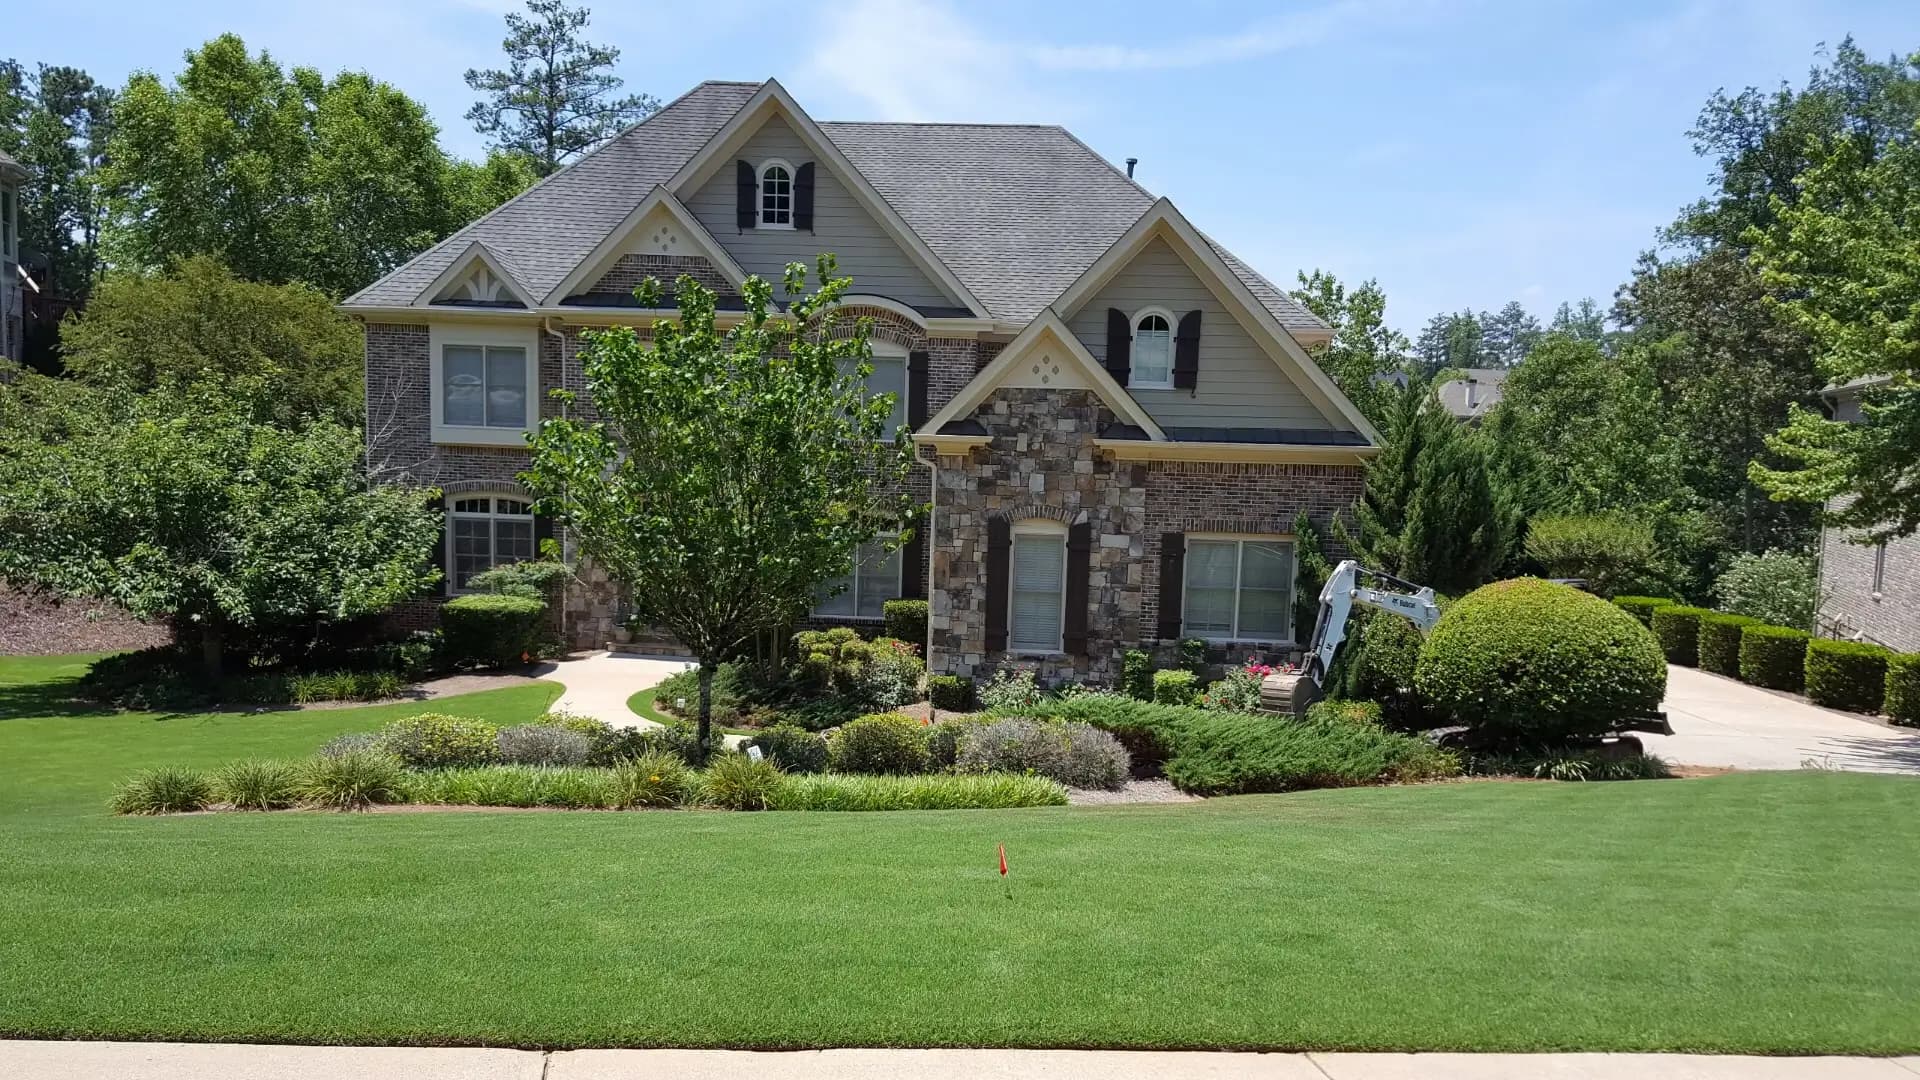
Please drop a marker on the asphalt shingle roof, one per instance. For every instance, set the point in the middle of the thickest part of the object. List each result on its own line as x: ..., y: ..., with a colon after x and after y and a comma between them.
x: 1017, y: 211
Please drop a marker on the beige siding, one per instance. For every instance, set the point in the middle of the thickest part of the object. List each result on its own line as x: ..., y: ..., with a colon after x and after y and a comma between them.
x: 840, y: 224
x: 1239, y: 384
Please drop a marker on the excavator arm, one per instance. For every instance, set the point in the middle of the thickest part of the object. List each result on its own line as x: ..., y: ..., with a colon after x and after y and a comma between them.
x: 1348, y: 585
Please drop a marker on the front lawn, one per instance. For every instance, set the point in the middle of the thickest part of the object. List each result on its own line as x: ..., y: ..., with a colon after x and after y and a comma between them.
x: 1768, y: 913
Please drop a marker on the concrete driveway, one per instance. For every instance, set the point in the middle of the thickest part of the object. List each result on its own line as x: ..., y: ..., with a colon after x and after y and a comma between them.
x: 1723, y: 723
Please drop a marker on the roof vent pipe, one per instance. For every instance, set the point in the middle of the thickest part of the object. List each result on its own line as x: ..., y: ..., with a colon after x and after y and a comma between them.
x: 1131, y: 162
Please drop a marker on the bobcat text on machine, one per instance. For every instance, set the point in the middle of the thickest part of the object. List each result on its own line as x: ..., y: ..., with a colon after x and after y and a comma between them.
x: 1293, y: 692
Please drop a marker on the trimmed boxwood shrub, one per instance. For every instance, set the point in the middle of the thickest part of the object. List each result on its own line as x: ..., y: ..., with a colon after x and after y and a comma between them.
x: 950, y: 693
x: 439, y: 741
x: 1531, y: 661
x: 1719, y: 642
x: 1677, y: 628
x: 884, y: 743
x: 793, y: 748
x: 1902, y: 705
x: 1136, y: 675
x: 1174, y: 687
x: 1850, y: 675
x: 1643, y: 607
x: 906, y: 620
x: 491, y: 630
x: 1774, y: 657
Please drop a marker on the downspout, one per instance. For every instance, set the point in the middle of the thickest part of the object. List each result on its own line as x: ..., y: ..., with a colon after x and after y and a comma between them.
x: 933, y: 506
x: 560, y: 340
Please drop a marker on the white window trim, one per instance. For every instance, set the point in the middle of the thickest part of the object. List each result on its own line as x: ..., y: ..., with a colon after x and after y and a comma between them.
x: 760, y: 194
x: 1052, y: 530
x: 1239, y: 558
x: 853, y: 590
x: 490, y: 516
x: 439, y: 336
x: 1133, y: 332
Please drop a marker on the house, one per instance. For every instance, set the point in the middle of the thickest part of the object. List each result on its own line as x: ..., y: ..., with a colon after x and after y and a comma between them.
x: 1474, y: 394
x: 13, y: 328
x: 1867, y: 592
x: 1117, y: 420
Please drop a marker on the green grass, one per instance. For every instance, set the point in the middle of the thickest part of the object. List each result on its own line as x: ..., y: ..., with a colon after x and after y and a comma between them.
x: 1761, y: 913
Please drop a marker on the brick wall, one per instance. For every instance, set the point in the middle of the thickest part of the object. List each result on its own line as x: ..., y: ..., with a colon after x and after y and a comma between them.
x: 1849, y: 607
x: 630, y: 270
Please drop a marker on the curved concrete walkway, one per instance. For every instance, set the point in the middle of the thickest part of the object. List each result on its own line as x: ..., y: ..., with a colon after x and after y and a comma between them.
x: 1724, y: 723
x: 598, y: 684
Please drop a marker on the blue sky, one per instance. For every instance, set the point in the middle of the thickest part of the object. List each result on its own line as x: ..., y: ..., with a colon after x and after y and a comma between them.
x: 1464, y: 153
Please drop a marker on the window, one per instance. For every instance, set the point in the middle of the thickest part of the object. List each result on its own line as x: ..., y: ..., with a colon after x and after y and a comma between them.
x: 485, y: 532
x: 889, y: 376
x: 1039, y: 586
x: 1152, y: 350
x: 873, y: 580
x: 776, y: 195
x: 6, y: 229
x: 484, y: 386
x: 1239, y: 589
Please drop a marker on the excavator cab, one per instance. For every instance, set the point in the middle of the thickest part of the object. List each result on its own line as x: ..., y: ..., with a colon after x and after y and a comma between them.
x: 1349, y: 584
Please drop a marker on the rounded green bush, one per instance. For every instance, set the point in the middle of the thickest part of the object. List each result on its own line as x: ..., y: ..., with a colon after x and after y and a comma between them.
x: 1643, y: 607
x: 1719, y: 643
x: 1677, y: 629
x: 1531, y: 661
x: 881, y: 744
x: 492, y: 630
x: 439, y: 741
x: 793, y: 748
x: 1774, y: 657
x: 1850, y: 675
x: 950, y: 693
x: 1902, y: 705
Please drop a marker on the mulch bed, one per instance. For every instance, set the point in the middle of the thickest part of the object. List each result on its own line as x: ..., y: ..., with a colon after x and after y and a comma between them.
x: 37, y: 626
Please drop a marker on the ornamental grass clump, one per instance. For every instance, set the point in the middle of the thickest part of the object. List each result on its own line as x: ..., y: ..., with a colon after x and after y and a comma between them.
x: 352, y: 781
x: 165, y: 790
x: 738, y: 782
x: 991, y: 791
x: 257, y: 785
x: 655, y: 780
x: 1531, y: 662
x: 1774, y: 657
x: 1850, y: 675
x: 1719, y: 643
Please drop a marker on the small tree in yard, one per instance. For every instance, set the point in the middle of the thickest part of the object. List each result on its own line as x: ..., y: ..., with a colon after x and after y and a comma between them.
x: 728, y: 473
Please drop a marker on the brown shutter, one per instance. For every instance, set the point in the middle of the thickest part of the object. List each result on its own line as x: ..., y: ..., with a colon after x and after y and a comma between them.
x: 542, y: 532
x: 1173, y: 572
x: 746, y: 209
x: 1079, y: 565
x: 913, y: 562
x: 441, y: 586
x: 917, y: 411
x: 1119, y: 345
x: 1186, y: 352
x: 999, y: 549
x: 803, y: 197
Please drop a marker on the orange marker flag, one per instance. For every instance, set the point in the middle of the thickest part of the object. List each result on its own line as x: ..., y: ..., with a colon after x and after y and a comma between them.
x: 1003, y: 860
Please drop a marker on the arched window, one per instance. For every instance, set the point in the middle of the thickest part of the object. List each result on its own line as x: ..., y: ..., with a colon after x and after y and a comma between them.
x: 1152, y: 350
x: 485, y: 531
x: 776, y: 195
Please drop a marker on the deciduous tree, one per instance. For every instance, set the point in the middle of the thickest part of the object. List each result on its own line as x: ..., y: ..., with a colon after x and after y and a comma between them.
x: 1365, y: 353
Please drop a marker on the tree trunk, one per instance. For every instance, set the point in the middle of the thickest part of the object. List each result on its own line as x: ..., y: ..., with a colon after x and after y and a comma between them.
x: 704, y: 730
x: 212, y: 654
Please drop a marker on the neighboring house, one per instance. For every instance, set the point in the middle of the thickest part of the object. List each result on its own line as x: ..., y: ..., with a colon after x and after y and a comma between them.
x: 1117, y: 420
x: 1474, y: 393
x: 13, y: 327
x: 1868, y: 592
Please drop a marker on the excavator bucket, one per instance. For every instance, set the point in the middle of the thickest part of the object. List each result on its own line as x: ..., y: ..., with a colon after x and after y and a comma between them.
x: 1289, y: 693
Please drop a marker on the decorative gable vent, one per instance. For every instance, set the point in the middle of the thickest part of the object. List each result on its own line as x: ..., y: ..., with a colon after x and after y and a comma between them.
x: 662, y: 239
x: 481, y: 286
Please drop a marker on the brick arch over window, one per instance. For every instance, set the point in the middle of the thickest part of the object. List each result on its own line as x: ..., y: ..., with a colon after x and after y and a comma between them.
x: 888, y: 325
x: 1029, y: 511
x: 506, y: 489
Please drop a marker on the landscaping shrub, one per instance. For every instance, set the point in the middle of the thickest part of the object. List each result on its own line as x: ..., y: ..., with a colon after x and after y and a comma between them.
x: 1529, y: 661
x: 1074, y: 754
x: 536, y: 580
x: 1174, y: 687
x: 1332, y: 710
x: 1606, y: 551
x: 892, y: 675
x: 879, y: 674
x: 166, y: 790
x: 1575, y: 765
x: 1677, y: 628
x: 884, y: 743
x: 257, y: 785
x: 1136, y: 675
x: 654, y: 779
x: 1193, y: 654
x: 1643, y: 607
x: 794, y: 749
x: 353, y: 742
x: 568, y: 788
x: 439, y: 741
x: 352, y: 781
x: 543, y: 744
x: 1145, y: 729
x: 1719, y: 645
x: 1902, y: 704
x: 821, y: 713
x: 950, y: 693
x: 830, y: 791
x: 737, y: 782
x: 491, y: 629
x: 1010, y: 689
x: 1233, y: 753
x: 1774, y: 657
x: 943, y: 738
x: 344, y: 686
x: 1238, y: 690
x: 1378, y: 664
x: 1777, y: 587
x: 905, y: 620
x: 1850, y: 675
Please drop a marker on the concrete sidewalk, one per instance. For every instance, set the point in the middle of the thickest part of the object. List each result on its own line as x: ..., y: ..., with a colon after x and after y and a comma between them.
x: 1725, y: 723
x: 598, y: 684
x: 216, y: 1061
